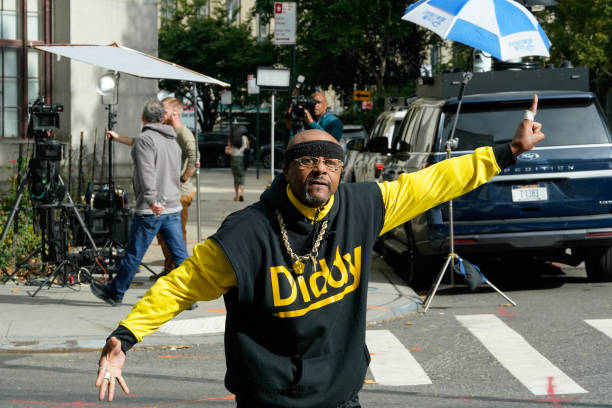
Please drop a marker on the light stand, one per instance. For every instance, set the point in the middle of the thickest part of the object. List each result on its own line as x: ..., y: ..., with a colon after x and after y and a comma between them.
x: 198, y: 158
x: 451, y: 144
x: 108, y: 89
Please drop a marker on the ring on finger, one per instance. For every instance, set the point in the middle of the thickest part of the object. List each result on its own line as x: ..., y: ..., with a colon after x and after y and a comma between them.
x: 529, y: 115
x: 107, y: 376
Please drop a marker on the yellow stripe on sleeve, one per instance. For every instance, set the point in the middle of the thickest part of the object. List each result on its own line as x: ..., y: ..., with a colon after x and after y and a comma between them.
x: 414, y: 193
x: 206, y: 275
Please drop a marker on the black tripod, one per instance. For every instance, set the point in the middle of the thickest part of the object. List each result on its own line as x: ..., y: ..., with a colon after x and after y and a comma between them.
x: 451, y: 144
x: 54, y: 243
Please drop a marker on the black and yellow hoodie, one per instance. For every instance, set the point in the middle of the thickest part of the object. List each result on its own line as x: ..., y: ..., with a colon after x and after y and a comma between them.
x: 299, y: 340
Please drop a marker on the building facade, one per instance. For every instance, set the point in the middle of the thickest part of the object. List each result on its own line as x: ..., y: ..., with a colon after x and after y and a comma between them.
x: 27, y: 74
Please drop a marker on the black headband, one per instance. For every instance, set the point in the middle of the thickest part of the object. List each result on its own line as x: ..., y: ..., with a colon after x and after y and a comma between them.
x: 315, y: 148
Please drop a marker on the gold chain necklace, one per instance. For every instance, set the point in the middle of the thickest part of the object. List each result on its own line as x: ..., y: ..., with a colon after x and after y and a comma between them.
x: 298, y: 260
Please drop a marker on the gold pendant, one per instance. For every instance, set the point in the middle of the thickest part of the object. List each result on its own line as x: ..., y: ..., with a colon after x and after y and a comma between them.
x: 298, y: 267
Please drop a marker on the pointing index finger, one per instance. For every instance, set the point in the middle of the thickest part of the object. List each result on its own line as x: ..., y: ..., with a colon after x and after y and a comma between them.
x: 534, y: 104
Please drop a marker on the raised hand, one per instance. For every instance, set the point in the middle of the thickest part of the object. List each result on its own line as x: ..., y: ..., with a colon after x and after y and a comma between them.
x: 109, y: 369
x: 529, y: 132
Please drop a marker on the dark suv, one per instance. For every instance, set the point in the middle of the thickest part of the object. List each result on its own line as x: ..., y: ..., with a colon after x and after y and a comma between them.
x: 555, y: 204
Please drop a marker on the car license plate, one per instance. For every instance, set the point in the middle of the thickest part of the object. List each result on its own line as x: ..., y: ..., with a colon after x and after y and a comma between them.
x: 532, y: 192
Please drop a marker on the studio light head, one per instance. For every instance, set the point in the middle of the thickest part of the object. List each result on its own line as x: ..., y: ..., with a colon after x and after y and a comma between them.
x: 107, y: 88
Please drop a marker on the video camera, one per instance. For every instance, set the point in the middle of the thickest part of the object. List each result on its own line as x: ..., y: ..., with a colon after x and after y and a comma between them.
x: 300, y: 104
x: 48, y: 152
x: 43, y: 117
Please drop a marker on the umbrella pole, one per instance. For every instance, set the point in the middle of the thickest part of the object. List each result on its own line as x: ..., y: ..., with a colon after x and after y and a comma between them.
x: 451, y: 144
x: 195, y: 134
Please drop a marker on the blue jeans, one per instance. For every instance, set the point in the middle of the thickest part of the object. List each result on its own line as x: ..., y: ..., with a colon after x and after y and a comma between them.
x: 143, y: 230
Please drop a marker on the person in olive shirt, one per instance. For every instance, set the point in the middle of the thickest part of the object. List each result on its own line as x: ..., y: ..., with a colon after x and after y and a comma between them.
x: 293, y: 269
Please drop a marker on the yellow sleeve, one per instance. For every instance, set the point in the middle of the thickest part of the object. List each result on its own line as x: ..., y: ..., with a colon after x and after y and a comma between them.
x: 206, y: 275
x: 414, y: 193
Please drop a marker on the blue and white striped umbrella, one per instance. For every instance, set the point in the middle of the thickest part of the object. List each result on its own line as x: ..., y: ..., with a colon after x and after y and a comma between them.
x: 502, y: 28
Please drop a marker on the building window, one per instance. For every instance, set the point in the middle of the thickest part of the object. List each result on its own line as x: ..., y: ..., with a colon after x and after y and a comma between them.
x: 34, y: 23
x: 22, y: 23
x: 9, y: 88
x: 232, y: 10
x: 168, y: 8
x: 204, y: 10
x: 9, y: 20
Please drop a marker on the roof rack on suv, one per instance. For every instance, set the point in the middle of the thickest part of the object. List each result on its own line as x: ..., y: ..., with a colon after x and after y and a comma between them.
x: 397, y: 103
x: 557, y: 79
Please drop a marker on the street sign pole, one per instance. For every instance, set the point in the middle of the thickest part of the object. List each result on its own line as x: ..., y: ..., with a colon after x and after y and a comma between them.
x: 272, y: 138
x: 257, y: 144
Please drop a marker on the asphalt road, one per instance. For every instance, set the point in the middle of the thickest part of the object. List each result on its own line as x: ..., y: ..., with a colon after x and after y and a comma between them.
x: 541, y: 353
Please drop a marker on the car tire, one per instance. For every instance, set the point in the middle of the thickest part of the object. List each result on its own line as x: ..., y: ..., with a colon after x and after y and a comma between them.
x: 421, y: 270
x: 266, y: 161
x: 598, y: 265
x: 221, y: 161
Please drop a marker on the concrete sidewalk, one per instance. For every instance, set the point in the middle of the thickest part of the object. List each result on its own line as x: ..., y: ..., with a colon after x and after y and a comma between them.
x: 69, y: 318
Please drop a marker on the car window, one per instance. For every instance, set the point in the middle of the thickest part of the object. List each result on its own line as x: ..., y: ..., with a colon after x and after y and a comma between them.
x: 408, y: 140
x: 377, y: 125
x: 426, y: 134
x: 402, y: 138
x: 563, y: 124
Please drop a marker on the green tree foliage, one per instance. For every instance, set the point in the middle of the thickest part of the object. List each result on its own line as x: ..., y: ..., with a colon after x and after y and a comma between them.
x: 21, y: 239
x: 581, y: 32
x: 345, y: 43
x: 215, y: 47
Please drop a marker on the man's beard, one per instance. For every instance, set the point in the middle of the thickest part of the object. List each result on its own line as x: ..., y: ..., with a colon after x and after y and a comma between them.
x: 311, y: 201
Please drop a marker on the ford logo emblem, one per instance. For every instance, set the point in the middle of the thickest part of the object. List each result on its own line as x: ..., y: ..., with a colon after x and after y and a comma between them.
x: 528, y: 156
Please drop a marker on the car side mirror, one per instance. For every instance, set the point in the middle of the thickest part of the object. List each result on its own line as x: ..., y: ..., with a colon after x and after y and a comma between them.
x: 355, y: 144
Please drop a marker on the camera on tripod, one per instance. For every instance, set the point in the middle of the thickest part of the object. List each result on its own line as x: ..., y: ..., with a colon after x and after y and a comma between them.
x: 44, y: 117
x: 300, y: 104
x: 48, y: 152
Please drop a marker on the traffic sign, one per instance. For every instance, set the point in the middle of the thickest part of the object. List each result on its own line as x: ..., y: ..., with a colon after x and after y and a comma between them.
x: 362, y: 95
x: 284, y: 23
x: 367, y: 105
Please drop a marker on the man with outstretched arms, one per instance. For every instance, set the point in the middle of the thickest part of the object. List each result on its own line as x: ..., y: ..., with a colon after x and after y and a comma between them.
x: 293, y: 269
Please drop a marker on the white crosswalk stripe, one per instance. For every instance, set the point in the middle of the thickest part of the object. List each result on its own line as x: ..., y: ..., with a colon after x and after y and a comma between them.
x: 603, y: 325
x: 391, y: 363
x: 204, y: 325
x: 523, y: 361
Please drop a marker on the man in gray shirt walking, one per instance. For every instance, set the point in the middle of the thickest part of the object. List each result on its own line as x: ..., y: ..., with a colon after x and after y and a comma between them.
x: 157, y: 172
x: 187, y: 143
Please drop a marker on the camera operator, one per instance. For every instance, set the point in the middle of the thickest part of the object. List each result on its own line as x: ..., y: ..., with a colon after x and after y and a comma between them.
x: 319, y: 118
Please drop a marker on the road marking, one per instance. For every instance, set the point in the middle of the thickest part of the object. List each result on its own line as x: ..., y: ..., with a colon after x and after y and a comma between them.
x: 522, y: 360
x: 603, y: 325
x: 204, y: 325
x: 391, y: 363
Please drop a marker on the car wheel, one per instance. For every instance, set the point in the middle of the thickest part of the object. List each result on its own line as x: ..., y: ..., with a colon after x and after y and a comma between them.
x: 221, y: 161
x: 598, y: 264
x: 266, y: 161
x: 420, y: 271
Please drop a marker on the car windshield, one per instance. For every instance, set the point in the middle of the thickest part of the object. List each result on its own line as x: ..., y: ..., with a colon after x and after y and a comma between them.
x: 563, y: 124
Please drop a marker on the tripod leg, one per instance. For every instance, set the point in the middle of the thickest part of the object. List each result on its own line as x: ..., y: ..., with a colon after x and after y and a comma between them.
x: 15, y: 208
x: 500, y: 292
x: 50, y: 278
x: 432, y: 291
x: 155, y: 276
